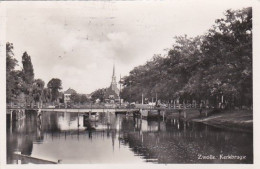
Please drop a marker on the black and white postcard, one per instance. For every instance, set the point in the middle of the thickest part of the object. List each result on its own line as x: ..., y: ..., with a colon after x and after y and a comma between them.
x: 149, y: 83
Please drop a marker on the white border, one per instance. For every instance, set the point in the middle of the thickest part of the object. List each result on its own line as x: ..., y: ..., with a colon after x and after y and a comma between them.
x: 256, y: 77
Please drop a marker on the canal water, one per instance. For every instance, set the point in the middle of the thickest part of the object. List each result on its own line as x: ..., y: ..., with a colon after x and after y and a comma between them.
x: 72, y: 138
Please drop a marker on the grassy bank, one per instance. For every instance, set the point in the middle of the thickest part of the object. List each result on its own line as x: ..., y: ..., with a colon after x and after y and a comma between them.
x: 240, y: 120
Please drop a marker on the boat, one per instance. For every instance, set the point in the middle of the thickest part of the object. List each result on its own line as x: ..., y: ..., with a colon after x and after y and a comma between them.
x: 144, y: 113
x: 91, y: 116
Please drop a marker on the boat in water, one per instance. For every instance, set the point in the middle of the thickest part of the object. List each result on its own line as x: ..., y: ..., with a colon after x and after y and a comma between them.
x: 151, y: 114
x: 91, y: 116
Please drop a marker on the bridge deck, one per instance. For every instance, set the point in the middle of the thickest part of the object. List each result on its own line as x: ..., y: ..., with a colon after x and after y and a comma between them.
x: 90, y: 110
x: 87, y: 110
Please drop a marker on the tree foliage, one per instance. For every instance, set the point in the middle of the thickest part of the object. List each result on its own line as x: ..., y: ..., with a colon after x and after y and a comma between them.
x: 37, y: 91
x: 11, y: 62
x: 20, y: 84
x: 13, y: 77
x: 83, y: 98
x: 54, y: 85
x: 98, y: 94
x: 27, y: 68
x: 216, y: 64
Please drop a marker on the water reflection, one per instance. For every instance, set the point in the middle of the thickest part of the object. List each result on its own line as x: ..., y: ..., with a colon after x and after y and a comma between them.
x: 110, y: 138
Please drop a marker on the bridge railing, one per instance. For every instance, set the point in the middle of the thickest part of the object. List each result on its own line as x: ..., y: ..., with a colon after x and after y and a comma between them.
x: 178, y: 106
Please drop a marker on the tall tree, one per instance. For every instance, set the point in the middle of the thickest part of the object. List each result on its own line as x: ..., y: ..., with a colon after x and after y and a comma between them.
x: 28, y: 78
x: 27, y: 68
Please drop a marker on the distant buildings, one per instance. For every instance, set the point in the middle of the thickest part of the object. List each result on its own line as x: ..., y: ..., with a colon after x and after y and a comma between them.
x: 112, y: 92
x: 107, y: 95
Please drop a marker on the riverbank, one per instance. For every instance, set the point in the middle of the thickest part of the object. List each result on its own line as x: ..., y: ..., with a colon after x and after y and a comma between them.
x: 238, y: 120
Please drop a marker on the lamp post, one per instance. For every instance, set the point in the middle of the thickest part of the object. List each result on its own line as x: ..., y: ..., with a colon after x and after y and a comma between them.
x: 142, y: 98
x: 130, y: 91
x: 120, y: 82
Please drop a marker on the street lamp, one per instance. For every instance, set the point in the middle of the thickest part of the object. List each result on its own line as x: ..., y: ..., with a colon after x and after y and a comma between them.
x: 130, y: 91
x: 120, y: 82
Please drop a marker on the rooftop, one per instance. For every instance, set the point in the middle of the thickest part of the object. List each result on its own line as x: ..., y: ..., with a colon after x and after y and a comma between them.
x: 70, y: 91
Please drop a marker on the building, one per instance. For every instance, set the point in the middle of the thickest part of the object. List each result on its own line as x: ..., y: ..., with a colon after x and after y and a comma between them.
x: 112, y: 92
x: 67, y: 95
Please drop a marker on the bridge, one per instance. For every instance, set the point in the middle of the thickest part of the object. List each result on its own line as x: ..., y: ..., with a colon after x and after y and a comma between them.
x: 146, y: 112
x: 87, y: 110
x: 76, y: 110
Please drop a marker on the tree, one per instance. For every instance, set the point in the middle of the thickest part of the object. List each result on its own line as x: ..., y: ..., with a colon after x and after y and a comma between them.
x: 37, y: 91
x: 27, y: 68
x: 227, y: 52
x: 28, y: 78
x: 183, y: 68
x: 208, y: 67
x: 46, y: 97
x: 13, y: 77
x: 75, y: 97
x: 11, y: 62
x: 83, y: 98
x: 54, y: 85
x: 98, y: 94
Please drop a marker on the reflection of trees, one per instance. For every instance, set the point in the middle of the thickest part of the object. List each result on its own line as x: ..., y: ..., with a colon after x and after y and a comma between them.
x: 22, y: 136
x: 20, y: 143
x: 32, y: 129
x: 50, y: 121
x: 183, y: 141
x: 172, y: 141
x: 127, y: 124
x: 27, y: 146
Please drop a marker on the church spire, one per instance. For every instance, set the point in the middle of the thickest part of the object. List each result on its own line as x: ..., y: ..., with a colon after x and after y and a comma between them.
x: 113, y: 82
x: 113, y: 70
x: 113, y: 76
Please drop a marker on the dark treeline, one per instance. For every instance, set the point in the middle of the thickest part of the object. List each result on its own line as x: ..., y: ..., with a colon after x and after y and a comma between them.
x: 214, y: 67
x: 21, y: 86
x: 23, y: 89
x: 77, y: 98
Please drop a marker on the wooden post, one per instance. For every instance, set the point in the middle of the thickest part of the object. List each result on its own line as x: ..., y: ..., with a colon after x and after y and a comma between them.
x: 78, y: 119
x: 11, y: 122
x: 142, y: 98
x: 163, y: 115
x: 184, y: 110
x: 11, y: 116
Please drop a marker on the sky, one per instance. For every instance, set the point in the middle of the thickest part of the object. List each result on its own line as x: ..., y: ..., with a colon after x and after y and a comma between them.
x: 78, y: 42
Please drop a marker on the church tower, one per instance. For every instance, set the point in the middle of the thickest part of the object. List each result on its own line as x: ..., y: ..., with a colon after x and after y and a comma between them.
x: 114, y: 83
x: 112, y: 92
